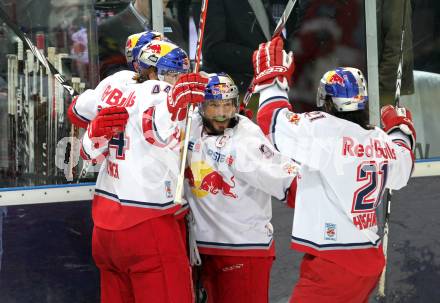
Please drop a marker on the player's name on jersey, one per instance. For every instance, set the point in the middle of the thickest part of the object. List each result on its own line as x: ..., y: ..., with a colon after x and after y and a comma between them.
x: 374, y: 149
x: 112, y: 169
x: 365, y: 220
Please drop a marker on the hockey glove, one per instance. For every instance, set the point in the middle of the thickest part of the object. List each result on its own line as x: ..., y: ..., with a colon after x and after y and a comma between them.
x: 109, y: 122
x: 246, y: 111
x: 398, y: 118
x: 189, y: 88
x: 272, y: 65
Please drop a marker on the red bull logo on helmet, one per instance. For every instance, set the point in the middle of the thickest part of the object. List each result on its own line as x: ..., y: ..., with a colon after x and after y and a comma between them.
x: 335, y: 78
x: 132, y: 40
x: 155, y: 48
x: 204, y: 180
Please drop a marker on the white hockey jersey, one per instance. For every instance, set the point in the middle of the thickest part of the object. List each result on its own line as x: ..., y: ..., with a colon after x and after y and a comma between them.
x: 137, y: 178
x: 345, y: 170
x: 84, y: 107
x: 229, y: 182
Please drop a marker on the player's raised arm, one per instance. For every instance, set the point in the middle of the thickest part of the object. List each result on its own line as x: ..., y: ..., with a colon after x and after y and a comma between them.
x: 273, y: 69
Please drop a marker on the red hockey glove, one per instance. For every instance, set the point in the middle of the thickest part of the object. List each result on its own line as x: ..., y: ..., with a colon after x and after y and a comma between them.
x: 109, y: 122
x: 189, y: 88
x: 246, y: 111
x: 398, y: 118
x: 272, y: 65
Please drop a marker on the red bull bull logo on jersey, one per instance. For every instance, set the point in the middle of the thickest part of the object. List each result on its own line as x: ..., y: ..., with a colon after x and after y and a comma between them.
x: 204, y: 180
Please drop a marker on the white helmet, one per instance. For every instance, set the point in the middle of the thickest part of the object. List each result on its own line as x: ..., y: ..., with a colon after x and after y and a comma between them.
x: 346, y: 87
x: 220, y: 87
x: 135, y: 43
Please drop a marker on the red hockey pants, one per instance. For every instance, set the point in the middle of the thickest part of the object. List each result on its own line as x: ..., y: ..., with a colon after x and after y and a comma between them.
x: 145, y: 263
x: 229, y: 279
x: 324, y: 281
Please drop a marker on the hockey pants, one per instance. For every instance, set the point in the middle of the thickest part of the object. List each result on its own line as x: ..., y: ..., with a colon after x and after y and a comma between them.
x: 323, y: 281
x: 230, y: 279
x: 146, y: 263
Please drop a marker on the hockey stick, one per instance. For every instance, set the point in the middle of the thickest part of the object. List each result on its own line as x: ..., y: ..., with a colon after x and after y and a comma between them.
x: 43, y: 60
x: 12, y: 109
x: 29, y: 45
x: 381, y: 289
x: 178, y: 199
x: 280, y: 26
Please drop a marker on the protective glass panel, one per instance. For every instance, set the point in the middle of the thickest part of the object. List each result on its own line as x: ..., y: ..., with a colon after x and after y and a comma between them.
x: 424, y: 48
x: 39, y: 146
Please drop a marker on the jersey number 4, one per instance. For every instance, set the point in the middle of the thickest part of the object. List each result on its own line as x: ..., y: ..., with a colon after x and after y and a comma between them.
x: 368, y: 196
x: 120, y: 143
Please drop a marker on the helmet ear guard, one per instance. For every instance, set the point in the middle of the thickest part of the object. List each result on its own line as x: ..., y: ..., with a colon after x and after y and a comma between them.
x: 346, y: 87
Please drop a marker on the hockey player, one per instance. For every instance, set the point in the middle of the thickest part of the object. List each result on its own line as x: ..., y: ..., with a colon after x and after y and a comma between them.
x: 232, y: 173
x: 346, y: 166
x: 82, y: 110
x: 137, y: 243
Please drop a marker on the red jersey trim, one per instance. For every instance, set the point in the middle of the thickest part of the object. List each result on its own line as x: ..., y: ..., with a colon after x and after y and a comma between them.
x: 291, y: 194
x: 404, y: 145
x: 360, y: 261
x: 149, y: 130
x: 112, y: 215
x: 74, y: 117
x: 266, y: 112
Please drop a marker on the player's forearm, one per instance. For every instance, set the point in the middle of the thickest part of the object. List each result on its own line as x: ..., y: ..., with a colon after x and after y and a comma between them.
x: 271, y: 99
x: 94, y: 149
x: 74, y: 117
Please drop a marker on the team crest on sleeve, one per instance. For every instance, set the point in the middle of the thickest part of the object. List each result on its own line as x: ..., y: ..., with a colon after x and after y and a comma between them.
x: 293, y: 117
x: 330, y: 232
